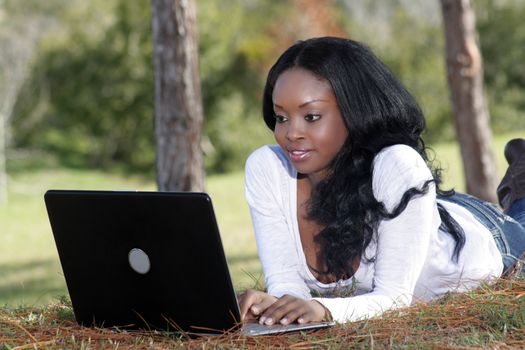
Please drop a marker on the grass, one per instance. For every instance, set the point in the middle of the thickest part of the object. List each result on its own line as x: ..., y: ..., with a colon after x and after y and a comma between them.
x: 489, y: 317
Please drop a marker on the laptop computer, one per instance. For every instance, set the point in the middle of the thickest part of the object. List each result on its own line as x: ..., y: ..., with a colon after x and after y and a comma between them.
x: 147, y: 260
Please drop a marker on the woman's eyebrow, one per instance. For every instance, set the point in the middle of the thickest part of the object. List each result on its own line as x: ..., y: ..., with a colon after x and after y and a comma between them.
x: 303, y: 104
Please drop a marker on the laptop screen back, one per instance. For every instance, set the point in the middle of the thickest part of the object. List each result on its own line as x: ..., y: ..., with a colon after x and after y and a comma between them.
x: 143, y: 259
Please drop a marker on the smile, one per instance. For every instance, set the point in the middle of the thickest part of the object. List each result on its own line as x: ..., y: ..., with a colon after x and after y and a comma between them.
x: 299, y: 155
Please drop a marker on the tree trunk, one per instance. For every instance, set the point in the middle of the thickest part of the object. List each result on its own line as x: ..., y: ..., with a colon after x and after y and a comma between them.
x: 18, y: 41
x: 178, y: 101
x: 3, y: 171
x: 471, y: 117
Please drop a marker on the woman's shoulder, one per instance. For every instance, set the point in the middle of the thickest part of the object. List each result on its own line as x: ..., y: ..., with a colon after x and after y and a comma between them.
x: 266, y: 152
x: 269, y: 158
x: 397, y: 160
x: 399, y: 156
x: 396, y: 169
x: 268, y: 176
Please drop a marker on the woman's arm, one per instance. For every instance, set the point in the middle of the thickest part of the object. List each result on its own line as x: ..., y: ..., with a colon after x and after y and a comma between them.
x: 265, y: 194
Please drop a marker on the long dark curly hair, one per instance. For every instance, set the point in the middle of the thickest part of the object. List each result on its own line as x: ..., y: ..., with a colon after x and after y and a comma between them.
x: 378, y: 112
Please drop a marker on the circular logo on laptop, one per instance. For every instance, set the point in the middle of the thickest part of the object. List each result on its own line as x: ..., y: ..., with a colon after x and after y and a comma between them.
x: 139, y: 261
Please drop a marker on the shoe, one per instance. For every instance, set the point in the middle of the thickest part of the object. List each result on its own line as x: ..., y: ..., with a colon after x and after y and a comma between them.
x: 512, y: 186
x: 514, y: 149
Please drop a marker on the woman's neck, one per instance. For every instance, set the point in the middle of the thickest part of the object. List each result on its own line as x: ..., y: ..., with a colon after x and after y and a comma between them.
x: 312, y: 179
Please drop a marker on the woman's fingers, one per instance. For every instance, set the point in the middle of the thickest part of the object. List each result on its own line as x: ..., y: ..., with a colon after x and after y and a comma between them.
x: 246, y: 300
x: 285, y: 310
x: 290, y: 309
x: 265, y: 302
x: 252, y: 303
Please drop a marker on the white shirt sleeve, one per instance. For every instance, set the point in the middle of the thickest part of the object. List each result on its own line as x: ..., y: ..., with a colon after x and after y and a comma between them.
x: 402, y: 242
x: 264, y: 193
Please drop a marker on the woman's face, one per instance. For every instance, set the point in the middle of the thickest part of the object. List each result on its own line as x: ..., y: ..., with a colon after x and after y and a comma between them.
x: 309, y: 126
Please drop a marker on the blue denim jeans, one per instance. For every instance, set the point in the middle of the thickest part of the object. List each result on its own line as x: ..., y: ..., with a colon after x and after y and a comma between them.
x: 507, y: 229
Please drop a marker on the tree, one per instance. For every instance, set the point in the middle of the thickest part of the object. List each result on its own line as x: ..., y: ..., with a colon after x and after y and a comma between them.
x: 18, y: 40
x: 178, y: 102
x: 471, y: 117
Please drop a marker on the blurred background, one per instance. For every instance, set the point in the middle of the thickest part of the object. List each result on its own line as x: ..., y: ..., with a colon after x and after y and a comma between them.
x: 77, y: 99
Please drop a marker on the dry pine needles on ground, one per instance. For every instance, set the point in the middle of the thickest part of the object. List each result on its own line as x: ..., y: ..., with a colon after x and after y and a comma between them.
x: 489, y: 317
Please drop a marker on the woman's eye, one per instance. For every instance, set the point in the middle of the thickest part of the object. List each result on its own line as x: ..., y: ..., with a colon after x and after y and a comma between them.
x: 279, y: 119
x: 312, y: 117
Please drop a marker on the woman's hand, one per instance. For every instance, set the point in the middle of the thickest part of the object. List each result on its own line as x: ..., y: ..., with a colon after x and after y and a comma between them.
x: 289, y: 309
x: 253, y: 303
x: 285, y: 310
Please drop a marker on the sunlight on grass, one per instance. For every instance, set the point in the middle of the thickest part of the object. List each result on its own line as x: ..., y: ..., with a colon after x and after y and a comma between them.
x: 29, y: 267
x: 227, y: 193
x: 448, y: 155
x: 29, y: 264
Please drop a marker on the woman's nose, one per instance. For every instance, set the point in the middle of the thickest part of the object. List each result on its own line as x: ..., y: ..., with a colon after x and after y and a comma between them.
x: 294, y: 131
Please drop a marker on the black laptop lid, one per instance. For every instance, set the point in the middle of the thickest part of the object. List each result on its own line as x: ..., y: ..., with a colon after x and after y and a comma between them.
x: 143, y: 259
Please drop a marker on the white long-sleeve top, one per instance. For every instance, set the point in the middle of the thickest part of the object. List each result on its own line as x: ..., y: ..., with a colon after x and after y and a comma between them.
x: 409, y: 260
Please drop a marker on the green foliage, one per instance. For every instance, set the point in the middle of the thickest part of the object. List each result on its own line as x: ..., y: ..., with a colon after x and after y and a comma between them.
x: 234, y: 45
x: 99, y: 93
x: 412, y: 46
x: 90, y: 99
x: 90, y: 96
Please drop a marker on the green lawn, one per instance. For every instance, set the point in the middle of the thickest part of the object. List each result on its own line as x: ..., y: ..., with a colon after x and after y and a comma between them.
x: 30, y: 272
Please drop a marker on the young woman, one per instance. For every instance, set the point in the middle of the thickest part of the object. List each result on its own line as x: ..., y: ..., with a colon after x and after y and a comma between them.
x: 347, y: 211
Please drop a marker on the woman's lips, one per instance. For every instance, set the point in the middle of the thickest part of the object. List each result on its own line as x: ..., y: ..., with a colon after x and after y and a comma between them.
x: 298, y: 155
